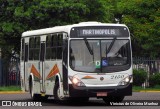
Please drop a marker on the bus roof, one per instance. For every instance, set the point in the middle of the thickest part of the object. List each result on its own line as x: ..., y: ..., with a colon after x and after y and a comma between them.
x: 65, y: 28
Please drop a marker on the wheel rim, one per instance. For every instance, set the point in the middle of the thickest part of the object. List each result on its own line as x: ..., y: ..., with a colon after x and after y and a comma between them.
x: 58, y: 93
x: 32, y: 93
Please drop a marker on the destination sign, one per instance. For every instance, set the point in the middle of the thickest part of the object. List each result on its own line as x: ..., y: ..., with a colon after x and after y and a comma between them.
x: 99, y: 31
x: 91, y: 32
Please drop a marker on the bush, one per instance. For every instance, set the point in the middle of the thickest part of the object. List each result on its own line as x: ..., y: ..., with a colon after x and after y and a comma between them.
x: 139, y: 77
x: 154, y: 80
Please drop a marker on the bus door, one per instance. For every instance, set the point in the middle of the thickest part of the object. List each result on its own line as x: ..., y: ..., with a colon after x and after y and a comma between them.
x: 41, y: 66
x: 26, y: 83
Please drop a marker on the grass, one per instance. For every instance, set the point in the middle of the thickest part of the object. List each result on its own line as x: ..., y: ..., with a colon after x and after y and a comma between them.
x: 139, y: 88
x: 10, y: 88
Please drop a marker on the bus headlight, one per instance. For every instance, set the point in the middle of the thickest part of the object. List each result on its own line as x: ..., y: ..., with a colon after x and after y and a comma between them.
x: 76, y: 81
x: 125, y: 81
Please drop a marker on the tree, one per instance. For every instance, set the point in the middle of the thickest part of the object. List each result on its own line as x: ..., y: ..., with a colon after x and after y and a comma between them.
x: 10, y: 29
x: 143, y: 19
x: 17, y: 16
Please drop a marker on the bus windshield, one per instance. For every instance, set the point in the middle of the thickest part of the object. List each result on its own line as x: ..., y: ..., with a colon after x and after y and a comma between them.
x: 98, y: 56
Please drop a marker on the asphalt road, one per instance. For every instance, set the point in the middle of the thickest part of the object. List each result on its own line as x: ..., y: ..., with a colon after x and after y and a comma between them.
x: 136, y: 101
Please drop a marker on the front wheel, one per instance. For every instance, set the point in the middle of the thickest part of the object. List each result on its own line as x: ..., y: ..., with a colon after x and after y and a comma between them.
x: 56, y: 92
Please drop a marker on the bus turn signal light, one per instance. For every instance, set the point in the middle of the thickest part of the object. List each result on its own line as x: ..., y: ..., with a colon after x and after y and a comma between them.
x: 76, y: 81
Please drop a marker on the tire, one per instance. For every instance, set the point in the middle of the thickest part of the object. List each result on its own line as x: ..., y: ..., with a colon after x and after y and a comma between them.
x: 35, y: 97
x: 57, y: 92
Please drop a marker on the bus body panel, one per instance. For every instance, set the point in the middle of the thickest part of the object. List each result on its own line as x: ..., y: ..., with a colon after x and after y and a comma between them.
x: 51, y: 70
x: 49, y: 81
x: 101, y: 79
x: 33, y: 68
x: 22, y: 76
x: 94, y: 84
x: 92, y: 92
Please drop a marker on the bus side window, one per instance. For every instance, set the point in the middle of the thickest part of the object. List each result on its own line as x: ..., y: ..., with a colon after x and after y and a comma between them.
x: 36, y: 48
x: 22, y: 50
x: 59, y: 46
x: 48, y: 47
x: 51, y: 47
x: 31, y: 48
x: 54, y: 44
x: 26, y: 53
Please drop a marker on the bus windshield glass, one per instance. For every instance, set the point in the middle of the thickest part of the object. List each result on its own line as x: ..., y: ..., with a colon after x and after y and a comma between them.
x: 100, y: 56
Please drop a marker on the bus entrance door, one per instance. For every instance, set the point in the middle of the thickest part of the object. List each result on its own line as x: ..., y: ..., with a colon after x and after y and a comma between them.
x: 42, y: 80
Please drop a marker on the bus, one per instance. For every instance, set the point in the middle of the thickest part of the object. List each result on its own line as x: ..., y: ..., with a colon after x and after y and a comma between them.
x: 78, y: 61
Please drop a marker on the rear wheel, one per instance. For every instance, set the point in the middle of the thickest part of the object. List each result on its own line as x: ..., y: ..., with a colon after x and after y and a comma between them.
x: 35, y: 97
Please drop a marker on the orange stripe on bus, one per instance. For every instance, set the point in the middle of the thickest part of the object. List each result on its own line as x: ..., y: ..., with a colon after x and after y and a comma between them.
x: 35, y: 72
x: 53, y: 72
x: 88, y: 77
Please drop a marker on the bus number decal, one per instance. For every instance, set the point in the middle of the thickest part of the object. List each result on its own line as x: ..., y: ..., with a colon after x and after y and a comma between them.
x: 117, y: 76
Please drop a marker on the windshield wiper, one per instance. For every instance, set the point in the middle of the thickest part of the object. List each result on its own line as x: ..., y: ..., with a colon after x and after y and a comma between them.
x: 111, y: 45
x: 88, y: 46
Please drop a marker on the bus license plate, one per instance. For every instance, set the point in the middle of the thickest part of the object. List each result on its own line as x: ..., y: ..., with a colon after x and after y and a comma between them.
x: 100, y: 94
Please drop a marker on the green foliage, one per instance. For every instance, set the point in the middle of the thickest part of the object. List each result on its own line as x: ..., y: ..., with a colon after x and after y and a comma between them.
x: 154, y: 80
x: 17, y: 16
x: 140, y: 88
x: 139, y: 77
x: 143, y: 19
x: 141, y: 16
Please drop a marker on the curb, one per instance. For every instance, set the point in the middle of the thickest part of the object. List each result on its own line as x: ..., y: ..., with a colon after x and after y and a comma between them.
x: 150, y: 91
x: 12, y: 92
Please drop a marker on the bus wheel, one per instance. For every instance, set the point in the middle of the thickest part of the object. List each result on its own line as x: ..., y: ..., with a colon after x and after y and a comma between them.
x: 35, y: 97
x: 109, y: 99
x: 57, y: 92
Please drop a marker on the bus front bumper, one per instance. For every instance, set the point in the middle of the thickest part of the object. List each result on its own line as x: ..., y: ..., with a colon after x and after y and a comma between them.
x: 93, y: 91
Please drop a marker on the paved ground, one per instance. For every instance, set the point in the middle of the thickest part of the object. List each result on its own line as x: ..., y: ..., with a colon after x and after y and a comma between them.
x: 138, y: 97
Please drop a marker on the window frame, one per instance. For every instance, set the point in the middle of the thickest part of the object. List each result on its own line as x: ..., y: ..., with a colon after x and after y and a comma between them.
x: 34, y: 48
x: 54, y: 46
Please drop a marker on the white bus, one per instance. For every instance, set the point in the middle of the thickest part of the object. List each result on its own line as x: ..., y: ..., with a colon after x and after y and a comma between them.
x: 79, y: 61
